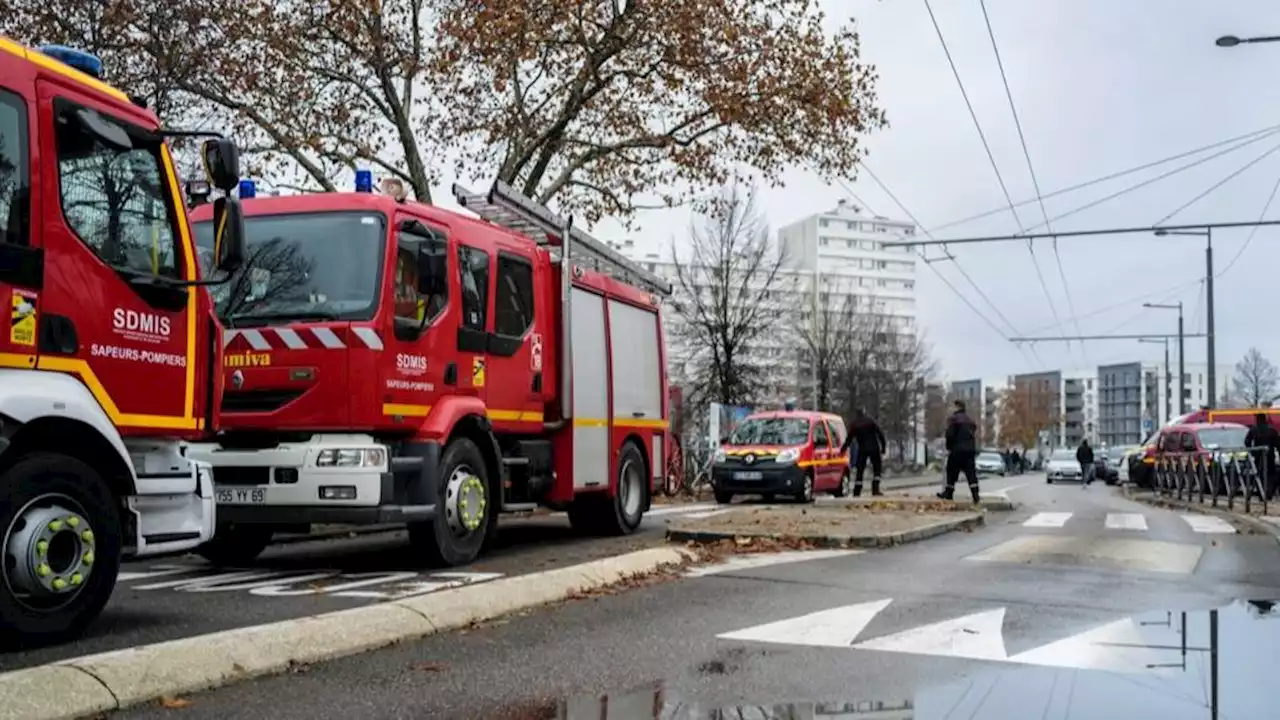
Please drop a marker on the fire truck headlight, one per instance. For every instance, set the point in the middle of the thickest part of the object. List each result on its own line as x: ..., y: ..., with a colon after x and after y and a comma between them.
x: 789, y: 455
x: 352, y: 457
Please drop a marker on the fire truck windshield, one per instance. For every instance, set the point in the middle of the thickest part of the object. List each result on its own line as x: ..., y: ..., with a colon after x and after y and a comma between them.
x: 314, y: 266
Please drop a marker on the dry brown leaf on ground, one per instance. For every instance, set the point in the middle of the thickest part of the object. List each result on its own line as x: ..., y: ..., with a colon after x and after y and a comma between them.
x: 171, y: 702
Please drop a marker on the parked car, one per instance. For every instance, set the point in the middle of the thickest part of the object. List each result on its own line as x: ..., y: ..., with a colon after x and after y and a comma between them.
x: 1062, y: 466
x: 990, y: 463
x: 1108, y: 463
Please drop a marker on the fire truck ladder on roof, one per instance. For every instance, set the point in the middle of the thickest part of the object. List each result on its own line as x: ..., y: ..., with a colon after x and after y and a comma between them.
x: 504, y: 206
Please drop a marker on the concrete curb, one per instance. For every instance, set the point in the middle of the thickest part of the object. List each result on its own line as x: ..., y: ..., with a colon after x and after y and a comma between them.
x: 1260, y: 526
x: 963, y: 521
x: 94, y: 684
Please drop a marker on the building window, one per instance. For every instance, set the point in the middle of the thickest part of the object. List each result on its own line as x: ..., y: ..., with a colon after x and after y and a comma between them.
x: 823, y: 222
x: 823, y: 241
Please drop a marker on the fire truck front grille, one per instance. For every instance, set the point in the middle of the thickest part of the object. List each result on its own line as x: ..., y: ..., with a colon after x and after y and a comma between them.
x: 233, y: 475
x: 260, y: 401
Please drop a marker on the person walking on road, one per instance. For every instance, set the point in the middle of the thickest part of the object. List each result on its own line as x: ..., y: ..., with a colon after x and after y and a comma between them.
x: 1017, y: 463
x: 866, y: 440
x: 962, y: 451
x: 1263, y: 435
x: 1084, y: 456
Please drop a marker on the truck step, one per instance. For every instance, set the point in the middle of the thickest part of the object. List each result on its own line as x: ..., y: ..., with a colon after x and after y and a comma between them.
x: 519, y: 507
x: 515, y: 461
x: 405, y: 462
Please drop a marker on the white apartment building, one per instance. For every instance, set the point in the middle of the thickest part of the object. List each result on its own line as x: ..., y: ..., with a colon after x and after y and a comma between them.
x: 1195, y: 386
x: 842, y: 251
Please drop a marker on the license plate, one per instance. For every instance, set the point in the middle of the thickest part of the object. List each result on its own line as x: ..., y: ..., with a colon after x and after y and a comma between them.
x: 748, y: 475
x: 240, y: 496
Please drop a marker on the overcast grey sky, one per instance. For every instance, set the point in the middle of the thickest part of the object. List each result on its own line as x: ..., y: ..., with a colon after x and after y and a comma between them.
x: 1100, y: 86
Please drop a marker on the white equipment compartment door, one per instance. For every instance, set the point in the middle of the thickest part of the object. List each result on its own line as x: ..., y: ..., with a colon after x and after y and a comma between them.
x: 590, y: 391
x: 637, y: 381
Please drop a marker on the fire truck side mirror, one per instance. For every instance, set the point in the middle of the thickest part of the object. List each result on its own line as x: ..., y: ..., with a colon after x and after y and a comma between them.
x: 228, y: 240
x: 221, y: 163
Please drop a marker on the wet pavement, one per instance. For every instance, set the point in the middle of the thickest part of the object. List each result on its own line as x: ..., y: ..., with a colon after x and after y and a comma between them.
x: 1074, y: 583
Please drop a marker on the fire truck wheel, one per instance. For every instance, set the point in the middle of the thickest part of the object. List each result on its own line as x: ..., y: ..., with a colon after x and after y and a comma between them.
x: 464, y: 516
x: 600, y: 514
x: 60, y: 549
x: 236, y: 544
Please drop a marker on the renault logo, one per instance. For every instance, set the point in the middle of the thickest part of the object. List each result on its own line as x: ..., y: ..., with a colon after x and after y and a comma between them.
x: 237, y: 379
x: 749, y: 459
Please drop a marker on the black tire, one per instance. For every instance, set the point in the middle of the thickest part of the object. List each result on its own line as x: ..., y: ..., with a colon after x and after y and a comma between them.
x: 30, y: 624
x: 235, y: 545
x: 845, y: 488
x: 620, y: 513
x: 436, y: 541
x: 1049, y: 480
x: 724, y: 498
x: 805, y: 496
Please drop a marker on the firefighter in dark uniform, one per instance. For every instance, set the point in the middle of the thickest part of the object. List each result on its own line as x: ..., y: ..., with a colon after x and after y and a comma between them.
x: 1262, y: 434
x: 869, y: 444
x: 962, y: 451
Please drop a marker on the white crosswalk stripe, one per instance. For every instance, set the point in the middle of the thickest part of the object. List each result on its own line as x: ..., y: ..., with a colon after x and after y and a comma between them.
x: 1126, y: 521
x: 1047, y: 520
x: 1209, y: 524
x: 1132, y: 522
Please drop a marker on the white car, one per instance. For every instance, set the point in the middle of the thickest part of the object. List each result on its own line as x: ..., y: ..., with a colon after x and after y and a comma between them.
x: 1062, y: 467
x: 989, y: 463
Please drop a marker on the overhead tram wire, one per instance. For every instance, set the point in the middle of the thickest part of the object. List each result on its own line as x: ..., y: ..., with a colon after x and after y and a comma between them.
x: 1217, y: 185
x: 976, y: 287
x: 1148, y: 181
x: 1035, y: 181
x: 1166, y: 291
x: 1252, y: 231
x: 991, y: 157
x: 1256, y: 135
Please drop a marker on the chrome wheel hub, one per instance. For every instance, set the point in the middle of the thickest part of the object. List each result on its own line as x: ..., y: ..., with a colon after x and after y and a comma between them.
x: 465, y: 501
x: 48, y: 551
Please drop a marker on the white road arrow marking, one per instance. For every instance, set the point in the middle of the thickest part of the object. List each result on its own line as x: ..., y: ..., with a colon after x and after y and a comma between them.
x: 837, y: 627
x: 979, y: 636
x: 1118, y: 647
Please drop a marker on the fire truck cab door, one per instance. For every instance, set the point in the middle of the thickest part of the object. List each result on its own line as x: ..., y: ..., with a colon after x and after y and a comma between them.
x: 113, y: 310
x: 474, y: 276
x: 508, y: 373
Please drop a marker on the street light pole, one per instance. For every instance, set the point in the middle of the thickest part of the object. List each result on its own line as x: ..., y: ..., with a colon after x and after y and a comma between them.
x: 1182, y: 363
x: 1210, y: 349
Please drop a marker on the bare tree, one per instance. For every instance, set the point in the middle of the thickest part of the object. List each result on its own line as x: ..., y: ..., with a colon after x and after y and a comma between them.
x: 1255, y: 380
x: 725, y: 297
x: 827, y: 328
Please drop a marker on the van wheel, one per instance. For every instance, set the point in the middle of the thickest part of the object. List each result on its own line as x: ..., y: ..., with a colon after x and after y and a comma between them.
x: 845, y: 488
x: 464, y: 513
x: 599, y: 514
x: 238, y: 544
x: 60, y: 549
x: 806, y: 490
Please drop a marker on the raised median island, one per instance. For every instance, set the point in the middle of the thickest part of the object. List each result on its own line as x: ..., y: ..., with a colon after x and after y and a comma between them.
x: 866, y: 523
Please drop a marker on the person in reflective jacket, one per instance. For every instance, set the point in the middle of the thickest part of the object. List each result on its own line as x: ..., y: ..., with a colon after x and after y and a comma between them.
x: 962, y: 452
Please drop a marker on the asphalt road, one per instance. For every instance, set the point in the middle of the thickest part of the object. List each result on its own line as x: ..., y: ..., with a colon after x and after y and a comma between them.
x: 166, y: 599
x: 920, y: 623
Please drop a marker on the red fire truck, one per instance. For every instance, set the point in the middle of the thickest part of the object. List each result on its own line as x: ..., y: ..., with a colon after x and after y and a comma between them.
x: 108, y: 363
x: 394, y: 362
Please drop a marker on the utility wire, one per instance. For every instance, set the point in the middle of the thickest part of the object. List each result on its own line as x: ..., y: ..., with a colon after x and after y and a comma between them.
x: 1149, y: 181
x: 1164, y: 299
x: 990, y: 156
x: 1171, y: 290
x: 1217, y: 185
x: 1035, y: 182
x: 1252, y: 231
x: 1256, y: 134
x: 965, y: 299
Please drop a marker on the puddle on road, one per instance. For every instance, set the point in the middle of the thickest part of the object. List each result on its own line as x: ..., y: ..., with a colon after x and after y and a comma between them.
x: 1195, y: 665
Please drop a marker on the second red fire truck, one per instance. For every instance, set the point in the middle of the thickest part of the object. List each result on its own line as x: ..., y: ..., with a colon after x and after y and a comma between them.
x: 390, y: 361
